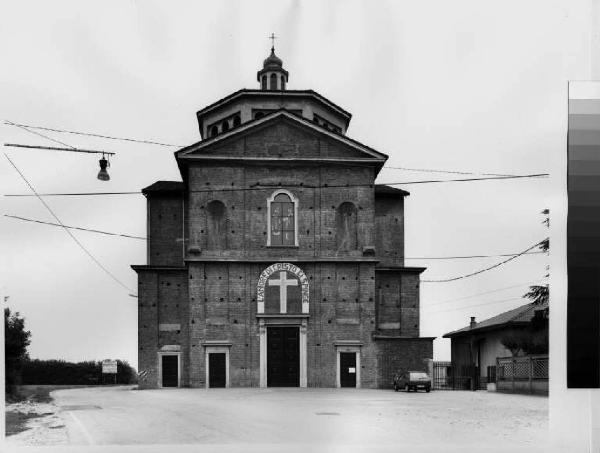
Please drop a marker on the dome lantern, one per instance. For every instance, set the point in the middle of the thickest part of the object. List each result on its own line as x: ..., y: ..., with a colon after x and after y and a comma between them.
x: 272, y: 76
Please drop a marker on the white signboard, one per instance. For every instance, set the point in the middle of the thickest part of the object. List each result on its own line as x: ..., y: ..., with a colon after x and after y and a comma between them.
x: 109, y: 367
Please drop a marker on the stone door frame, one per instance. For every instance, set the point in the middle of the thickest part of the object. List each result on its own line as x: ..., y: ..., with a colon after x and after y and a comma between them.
x: 299, y: 321
x: 347, y: 346
x: 161, y: 354
x: 216, y: 347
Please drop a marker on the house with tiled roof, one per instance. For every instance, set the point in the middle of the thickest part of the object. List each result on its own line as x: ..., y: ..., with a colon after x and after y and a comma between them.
x: 477, y: 347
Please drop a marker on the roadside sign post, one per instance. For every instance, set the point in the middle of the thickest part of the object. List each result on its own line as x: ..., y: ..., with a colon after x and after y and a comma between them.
x: 109, y: 367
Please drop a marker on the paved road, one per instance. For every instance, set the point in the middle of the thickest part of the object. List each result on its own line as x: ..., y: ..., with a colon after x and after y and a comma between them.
x: 121, y: 415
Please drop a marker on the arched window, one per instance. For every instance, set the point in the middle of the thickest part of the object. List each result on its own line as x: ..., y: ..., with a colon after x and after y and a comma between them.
x: 283, y: 82
x: 263, y: 82
x: 273, y: 82
x: 216, y: 226
x: 282, y: 210
x: 258, y: 115
x: 237, y: 121
x: 346, y: 227
x: 225, y: 126
x: 214, y: 131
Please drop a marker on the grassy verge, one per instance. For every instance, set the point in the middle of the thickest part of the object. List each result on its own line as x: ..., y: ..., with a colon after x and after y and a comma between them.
x: 16, y: 422
x: 33, y: 393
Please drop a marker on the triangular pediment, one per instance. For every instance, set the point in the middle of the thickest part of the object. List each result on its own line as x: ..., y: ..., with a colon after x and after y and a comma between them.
x: 281, y: 135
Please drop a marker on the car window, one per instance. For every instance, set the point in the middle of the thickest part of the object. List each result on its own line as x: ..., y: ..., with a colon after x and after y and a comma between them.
x: 418, y: 376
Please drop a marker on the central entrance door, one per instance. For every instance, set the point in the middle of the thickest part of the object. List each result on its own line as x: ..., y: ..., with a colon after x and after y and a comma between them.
x: 283, y: 357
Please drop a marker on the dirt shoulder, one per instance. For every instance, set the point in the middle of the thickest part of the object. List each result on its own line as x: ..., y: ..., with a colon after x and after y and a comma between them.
x: 32, y: 418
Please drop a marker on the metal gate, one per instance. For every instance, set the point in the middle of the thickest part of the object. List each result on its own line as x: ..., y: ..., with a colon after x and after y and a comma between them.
x: 449, y: 377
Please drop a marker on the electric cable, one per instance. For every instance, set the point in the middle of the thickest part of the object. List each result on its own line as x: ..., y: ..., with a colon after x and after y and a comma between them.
x: 100, y: 265
x: 89, y: 134
x: 38, y: 134
x: 74, y: 228
x: 460, y: 277
x: 425, y: 258
x: 429, y: 170
x: 519, y: 285
x: 478, y: 305
x: 304, y: 186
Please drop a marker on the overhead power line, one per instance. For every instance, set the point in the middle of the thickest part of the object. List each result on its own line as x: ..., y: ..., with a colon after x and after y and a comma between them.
x: 480, y: 305
x: 469, y: 256
x: 100, y: 265
x: 53, y: 148
x: 537, y: 175
x: 153, y: 142
x: 25, y: 128
x: 74, y: 228
x: 262, y: 187
x: 429, y: 170
x: 485, y: 269
x: 90, y: 134
x: 143, y: 238
x: 520, y: 285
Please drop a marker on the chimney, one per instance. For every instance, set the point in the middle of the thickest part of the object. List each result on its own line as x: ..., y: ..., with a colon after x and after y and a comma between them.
x: 473, y: 323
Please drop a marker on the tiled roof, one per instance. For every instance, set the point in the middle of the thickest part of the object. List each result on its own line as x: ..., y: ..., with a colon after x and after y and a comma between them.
x: 164, y: 186
x: 246, y: 91
x: 519, y: 315
x: 382, y: 189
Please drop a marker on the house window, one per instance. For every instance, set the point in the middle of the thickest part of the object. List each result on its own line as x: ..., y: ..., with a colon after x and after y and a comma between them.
x: 282, y: 210
x: 263, y: 82
x: 273, y: 82
x: 283, y: 82
x: 225, y: 126
x: 236, y: 121
x: 214, y: 131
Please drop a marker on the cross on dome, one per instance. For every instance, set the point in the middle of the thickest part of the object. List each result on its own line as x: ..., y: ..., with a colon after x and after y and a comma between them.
x: 272, y: 38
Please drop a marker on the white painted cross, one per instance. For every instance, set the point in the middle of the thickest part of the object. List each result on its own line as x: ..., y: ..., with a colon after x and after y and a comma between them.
x: 283, y: 283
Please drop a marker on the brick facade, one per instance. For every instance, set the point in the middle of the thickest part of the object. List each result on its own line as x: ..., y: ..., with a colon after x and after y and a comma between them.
x: 208, y: 244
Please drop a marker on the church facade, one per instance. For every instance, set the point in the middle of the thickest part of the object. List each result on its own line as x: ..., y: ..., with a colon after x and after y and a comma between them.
x: 277, y: 261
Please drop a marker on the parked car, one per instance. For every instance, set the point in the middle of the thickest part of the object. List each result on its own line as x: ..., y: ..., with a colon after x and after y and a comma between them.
x: 412, y: 380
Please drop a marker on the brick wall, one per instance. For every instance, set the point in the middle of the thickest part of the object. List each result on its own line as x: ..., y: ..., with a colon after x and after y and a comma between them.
x: 247, y: 212
x: 409, y: 295
x: 224, y: 310
x: 397, y: 296
x: 214, y: 299
x: 389, y: 227
x: 399, y: 355
x: 165, y: 230
x: 162, y: 300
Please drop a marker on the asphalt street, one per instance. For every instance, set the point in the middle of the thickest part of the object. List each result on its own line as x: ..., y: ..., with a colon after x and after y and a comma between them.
x: 126, y: 416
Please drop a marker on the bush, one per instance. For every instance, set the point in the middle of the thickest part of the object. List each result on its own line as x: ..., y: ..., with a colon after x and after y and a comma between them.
x: 61, y: 372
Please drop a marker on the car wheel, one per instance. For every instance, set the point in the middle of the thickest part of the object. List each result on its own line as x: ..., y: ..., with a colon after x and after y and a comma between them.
x: 428, y: 390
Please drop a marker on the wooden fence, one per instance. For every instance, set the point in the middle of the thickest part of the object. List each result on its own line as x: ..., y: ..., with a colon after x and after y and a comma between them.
x: 528, y: 374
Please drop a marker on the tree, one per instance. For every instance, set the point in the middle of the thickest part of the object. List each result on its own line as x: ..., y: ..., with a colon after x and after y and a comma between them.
x: 533, y: 339
x: 16, y: 340
x: 539, y: 294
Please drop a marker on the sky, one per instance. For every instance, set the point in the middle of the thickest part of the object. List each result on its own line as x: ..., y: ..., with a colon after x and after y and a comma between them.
x: 464, y: 86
